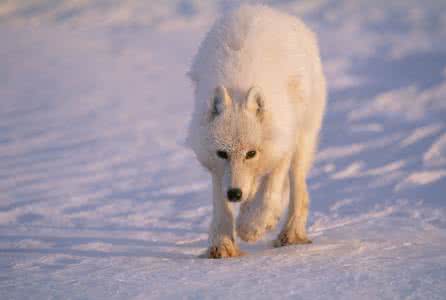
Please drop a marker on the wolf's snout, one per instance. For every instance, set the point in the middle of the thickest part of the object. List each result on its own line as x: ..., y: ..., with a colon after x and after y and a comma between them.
x: 234, y: 194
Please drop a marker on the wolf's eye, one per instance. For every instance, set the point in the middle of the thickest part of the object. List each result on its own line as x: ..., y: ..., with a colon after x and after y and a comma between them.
x: 222, y: 154
x: 250, y: 154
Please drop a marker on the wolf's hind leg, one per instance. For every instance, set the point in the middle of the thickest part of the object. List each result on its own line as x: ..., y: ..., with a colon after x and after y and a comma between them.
x: 262, y: 214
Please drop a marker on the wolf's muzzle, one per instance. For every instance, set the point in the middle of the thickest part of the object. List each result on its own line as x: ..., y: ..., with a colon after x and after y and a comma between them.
x: 234, y: 194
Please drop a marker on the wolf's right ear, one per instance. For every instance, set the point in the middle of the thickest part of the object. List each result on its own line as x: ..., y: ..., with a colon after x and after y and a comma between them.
x: 220, y: 101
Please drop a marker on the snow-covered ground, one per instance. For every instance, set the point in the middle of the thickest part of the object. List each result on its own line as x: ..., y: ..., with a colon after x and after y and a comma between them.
x: 99, y: 199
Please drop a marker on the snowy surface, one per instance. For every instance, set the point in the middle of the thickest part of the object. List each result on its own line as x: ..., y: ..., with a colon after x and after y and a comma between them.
x: 99, y: 198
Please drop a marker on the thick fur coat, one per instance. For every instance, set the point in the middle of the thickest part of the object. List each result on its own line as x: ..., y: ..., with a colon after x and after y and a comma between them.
x: 259, y: 103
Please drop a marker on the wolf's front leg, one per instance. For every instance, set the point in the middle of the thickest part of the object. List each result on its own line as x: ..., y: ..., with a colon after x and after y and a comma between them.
x: 262, y: 214
x: 221, y: 234
x: 294, y: 231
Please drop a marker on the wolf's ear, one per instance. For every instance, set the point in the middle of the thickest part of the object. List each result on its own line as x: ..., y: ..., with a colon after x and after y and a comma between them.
x: 254, y: 102
x: 220, y: 101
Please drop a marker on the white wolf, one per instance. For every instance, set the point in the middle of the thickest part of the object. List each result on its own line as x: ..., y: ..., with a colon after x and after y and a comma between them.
x: 259, y: 103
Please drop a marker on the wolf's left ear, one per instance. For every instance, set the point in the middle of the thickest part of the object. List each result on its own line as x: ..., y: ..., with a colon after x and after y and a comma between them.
x: 254, y: 102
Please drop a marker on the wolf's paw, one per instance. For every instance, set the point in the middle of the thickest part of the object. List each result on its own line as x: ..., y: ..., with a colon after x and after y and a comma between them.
x: 224, y: 249
x: 252, y: 225
x: 286, y: 238
x: 249, y: 232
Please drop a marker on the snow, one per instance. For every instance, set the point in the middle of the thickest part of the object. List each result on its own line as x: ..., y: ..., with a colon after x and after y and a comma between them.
x: 100, y: 199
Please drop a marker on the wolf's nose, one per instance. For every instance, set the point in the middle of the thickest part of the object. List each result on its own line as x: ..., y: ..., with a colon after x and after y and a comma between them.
x: 234, y: 194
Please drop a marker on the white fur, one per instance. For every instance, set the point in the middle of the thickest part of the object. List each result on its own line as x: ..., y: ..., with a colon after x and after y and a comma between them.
x: 259, y: 85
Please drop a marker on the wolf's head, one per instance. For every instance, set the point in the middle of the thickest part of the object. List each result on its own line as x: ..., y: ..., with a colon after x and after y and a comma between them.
x: 236, y: 141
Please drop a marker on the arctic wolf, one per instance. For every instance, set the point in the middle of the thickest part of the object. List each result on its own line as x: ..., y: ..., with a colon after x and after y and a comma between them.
x: 259, y: 103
